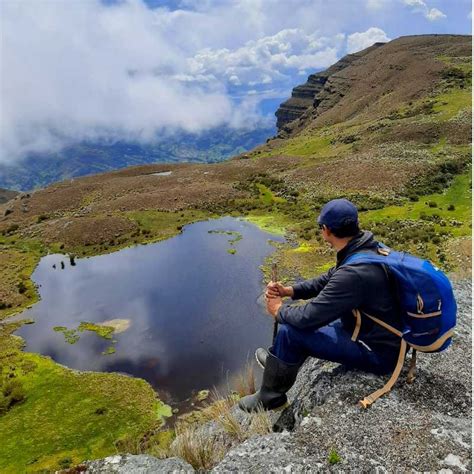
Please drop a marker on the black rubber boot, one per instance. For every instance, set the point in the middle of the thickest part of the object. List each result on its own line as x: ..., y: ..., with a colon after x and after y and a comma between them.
x: 261, y: 355
x: 278, y: 378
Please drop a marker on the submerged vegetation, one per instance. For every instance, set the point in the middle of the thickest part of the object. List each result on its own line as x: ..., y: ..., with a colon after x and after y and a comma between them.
x: 234, y: 238
x: 73, y: 335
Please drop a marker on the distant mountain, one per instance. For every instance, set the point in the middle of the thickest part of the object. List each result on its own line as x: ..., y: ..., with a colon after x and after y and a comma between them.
x: 40, y: 170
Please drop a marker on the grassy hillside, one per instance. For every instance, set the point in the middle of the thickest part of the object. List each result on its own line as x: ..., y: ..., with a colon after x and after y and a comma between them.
x: 396, y: 142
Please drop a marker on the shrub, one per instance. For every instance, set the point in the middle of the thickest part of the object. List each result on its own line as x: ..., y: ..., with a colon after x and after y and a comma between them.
x: 11, y: 229
x: 11, y: 393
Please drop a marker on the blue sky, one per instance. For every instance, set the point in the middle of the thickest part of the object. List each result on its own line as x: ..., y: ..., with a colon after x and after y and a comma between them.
x: 130, y: 69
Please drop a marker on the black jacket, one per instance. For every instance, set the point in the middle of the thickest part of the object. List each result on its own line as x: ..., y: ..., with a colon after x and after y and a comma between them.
x: 333, y: 295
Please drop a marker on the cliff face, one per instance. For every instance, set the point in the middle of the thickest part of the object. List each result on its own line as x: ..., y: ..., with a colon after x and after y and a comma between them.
x: 313, y: 91
x: 371, y: 83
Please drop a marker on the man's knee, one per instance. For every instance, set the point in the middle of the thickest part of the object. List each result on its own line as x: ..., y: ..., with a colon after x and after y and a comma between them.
x: 288, y: 333
x: 288, y: 345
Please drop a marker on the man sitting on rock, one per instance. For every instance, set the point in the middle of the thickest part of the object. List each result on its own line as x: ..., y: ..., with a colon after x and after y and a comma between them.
x: 325, y: 326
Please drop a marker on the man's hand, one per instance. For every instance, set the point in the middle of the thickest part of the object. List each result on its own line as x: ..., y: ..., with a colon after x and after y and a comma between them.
x: 277, y: 290
x: 273, y: 305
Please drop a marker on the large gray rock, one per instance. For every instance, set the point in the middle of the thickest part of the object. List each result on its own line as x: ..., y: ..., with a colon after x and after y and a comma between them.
x: 425, y: 426
x: 137, y: 464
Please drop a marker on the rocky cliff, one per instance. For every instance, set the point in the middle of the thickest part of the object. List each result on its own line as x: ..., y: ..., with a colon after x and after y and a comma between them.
x: 317, y: 88
x: 373, y: 81
x: 421, y: 427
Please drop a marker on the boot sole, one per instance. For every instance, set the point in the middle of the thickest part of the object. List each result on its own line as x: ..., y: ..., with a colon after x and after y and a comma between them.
x: 282, y: 407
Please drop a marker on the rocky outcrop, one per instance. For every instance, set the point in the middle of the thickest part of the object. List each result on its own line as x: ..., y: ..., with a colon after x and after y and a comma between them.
x: 135, y: 464
x: 309, y: 94
x: 425, y: 426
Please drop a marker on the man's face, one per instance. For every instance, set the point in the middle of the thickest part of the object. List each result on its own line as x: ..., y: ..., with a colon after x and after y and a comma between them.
x: 325, y: 232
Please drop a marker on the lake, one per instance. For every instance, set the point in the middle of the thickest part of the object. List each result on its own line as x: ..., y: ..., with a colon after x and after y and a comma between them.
x: 188, y: 310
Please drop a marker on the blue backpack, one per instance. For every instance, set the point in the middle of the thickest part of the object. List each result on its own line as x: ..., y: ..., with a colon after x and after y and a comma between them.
x: 427, y: 305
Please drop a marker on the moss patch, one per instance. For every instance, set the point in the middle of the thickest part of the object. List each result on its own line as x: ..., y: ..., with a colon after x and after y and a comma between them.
x: 73, y: 335
x: 101, y: 330
x: 71, y: 414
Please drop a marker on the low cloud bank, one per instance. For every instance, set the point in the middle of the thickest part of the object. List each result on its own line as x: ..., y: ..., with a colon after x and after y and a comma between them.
x: 74, y: 71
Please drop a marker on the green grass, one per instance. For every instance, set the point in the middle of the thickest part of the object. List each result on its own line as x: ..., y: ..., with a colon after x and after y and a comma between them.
x: 450, y: 103
x: 163, y: 225
x: 109, y: 351
x: 458, y: 194
x: 273, y: 222
x: 73, y: 335
x: 18, y: 259
x: 312, y: 145
x: 334, y: 457
x: 266, y: 196
x: 73, y: 415
x: 304, y: 145
x: 462, y: 62
x: 440, y: 146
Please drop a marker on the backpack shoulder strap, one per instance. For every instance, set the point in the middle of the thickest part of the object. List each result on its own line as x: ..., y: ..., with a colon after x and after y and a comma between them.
x: 367, y: 401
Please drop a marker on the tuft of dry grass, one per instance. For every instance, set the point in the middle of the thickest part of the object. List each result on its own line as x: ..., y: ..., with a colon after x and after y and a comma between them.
x: 198, y: 449
x: 245, y: 381
x: 261, y: 424
x: 198, y: 446
x: 129, y: 445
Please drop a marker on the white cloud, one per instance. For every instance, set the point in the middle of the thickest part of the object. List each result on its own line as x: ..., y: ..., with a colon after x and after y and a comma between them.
x: 420, y: 6
x: 435, y: 14
x: 86, y: 69
x: 82, y: 71
x: 76, y: 71
x: 359, y: 41
x: 267, y: 59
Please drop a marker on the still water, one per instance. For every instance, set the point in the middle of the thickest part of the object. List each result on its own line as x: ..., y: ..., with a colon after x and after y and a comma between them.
x: 191, y: 312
